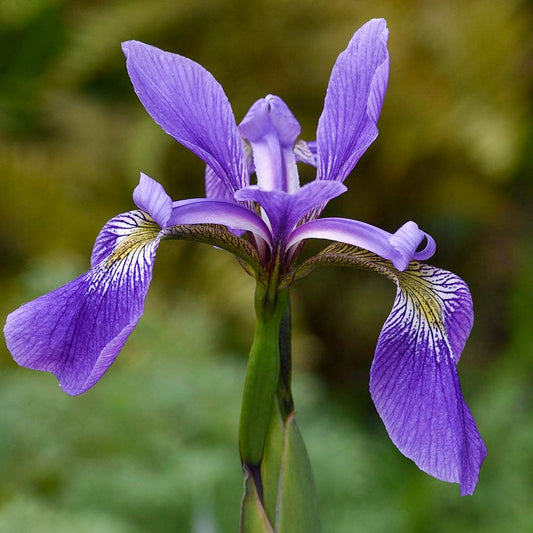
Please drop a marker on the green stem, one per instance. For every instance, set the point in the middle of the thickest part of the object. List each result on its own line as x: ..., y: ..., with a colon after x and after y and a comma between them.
x: 262, y: 374
x: 284, y: 394
x: 279, y: 495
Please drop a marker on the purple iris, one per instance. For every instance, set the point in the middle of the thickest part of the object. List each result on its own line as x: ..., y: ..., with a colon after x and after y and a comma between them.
x: 77, y: 331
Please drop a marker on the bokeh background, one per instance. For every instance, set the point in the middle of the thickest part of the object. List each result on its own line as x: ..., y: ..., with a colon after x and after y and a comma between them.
x: 153, y: 447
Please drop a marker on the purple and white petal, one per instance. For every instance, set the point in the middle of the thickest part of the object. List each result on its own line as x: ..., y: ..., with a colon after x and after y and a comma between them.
x: 400, y: 251
x: 150, y: 196
x: 190, y: 105
x: 414, y: 381
x: 77, y: 331
x: 232, y: 215
x: 284, y: 210
x: 354, y: 98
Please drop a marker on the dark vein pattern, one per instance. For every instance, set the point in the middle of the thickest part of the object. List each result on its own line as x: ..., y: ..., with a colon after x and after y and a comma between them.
x: 77, y: 331
x: 413, y: 379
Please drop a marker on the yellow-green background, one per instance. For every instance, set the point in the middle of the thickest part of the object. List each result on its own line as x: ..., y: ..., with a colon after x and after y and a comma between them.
x: 152, y: 448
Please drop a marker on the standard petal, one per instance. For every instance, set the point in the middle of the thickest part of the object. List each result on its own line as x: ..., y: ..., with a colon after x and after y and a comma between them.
x: 284, y: 210
x: 189, y: 104
x: 77, y: 331
x: 400, y: 247
x: 356, y: 89
x: 205, y: 211
x: 414, y: 381
x: 150, y: 196
x: 271, y: 129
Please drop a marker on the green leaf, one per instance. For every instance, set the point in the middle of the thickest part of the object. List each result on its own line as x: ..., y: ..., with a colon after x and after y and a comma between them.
x: 297, y: 505
x: 253, y: 516
x: 271, y: 463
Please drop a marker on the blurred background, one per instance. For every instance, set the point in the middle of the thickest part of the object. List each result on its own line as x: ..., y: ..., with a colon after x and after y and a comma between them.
x: 153, y: 447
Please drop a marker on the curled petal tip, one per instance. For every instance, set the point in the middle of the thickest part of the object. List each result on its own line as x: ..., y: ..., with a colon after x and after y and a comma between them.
x: 406, y: 240
x: 150, y: 196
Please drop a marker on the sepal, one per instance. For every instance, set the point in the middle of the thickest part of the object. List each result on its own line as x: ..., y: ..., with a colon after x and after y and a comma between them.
x: 413, y: 380
x: 221, y: 237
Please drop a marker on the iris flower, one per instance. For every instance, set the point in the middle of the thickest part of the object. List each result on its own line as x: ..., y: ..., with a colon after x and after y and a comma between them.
x: 256, y: 208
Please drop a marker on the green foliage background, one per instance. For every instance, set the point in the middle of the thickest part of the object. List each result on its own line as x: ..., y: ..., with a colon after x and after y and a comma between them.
x: 152, y: 448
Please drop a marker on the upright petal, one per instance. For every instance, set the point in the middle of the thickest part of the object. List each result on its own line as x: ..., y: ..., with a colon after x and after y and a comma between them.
x: 77, y: 331
x: 272, y: 130
x: 189, y: 104
x: 356, y: 89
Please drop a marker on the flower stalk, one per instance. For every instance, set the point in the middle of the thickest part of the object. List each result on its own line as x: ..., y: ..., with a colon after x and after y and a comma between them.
x: 279, y: 494
x: 262, y: 373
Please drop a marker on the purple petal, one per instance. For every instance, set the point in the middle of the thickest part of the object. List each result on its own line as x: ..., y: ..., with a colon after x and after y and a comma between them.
x: 407, y: 239
x: 305, y: 152
x: 189, y: 104
x: 150, y: 196
x: 215, y: 188
x: 205, y: 211
x: 284, y: 209
x: 354, y: 98
x: 77, y: 331
x: 285, y: 123
x: 414, y: 381
x: 400, y: 247
x: 271, y: 129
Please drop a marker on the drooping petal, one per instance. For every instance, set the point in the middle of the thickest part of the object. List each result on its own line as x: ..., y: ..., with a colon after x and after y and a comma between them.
x: 189, y: 104
x: 356, y: 89
x: 205, y: 211
x: 414, y: 381
x: 400, y: 247
x: 284, y: 209
x: 77, y: 331
x: 150, y: 196
x: 272, y: 130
